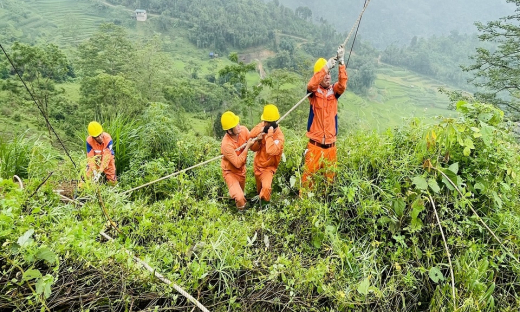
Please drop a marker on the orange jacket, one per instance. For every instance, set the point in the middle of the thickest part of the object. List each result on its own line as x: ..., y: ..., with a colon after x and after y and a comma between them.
x: 234, y: 161
x: 322, y: 124
x: 99, y: 155
x: 269, y: 150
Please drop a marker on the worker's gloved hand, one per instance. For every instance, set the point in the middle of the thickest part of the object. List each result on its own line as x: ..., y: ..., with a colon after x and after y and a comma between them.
x: 260, y: 136
x: 331, y: 63
x: 341, y: 55
x: 274, y: 125
x: 96, y: 176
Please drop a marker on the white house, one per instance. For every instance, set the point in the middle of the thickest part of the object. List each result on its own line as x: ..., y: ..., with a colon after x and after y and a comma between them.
x: 140, y: 15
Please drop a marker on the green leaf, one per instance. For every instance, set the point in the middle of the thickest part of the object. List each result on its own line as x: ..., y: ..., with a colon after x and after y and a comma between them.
x: 420, y: 182
x: 46, y: 254
x: 416, y: 224
x: 497, y: 199
x: 292, y: 181
x: 417, y: 207
x: 479, y: 186
x: 317, y: 240
x: 454, y: 168
x: 363, y: 286
x: 467, y: 151
x: 487, y: 134
x: 485, y: 117
x: 398, y: 205
x: 25, y: 238
x: 463, y: 107
x: 43, y: 285
x: 433, y: 185
x: 436, y: 274
x: 469, y: 143
x: 31, y: 274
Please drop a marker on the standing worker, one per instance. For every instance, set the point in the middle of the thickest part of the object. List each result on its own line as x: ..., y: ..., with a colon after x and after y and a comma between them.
x: 234, y: 162
x: 100, y: 155
x: 322, y: 125
x: 268, y: 148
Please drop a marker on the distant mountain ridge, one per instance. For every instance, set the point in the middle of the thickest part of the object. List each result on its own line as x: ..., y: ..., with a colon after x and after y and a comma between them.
x: 398, y: 21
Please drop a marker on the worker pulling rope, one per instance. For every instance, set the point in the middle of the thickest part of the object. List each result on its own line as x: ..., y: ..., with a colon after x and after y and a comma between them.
x: 356, y: 26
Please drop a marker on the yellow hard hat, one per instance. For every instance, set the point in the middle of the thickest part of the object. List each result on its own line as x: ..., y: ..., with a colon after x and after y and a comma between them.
x: 270, y: 113
x: 94, y: 128
x: 319, y: 64
x: 229, y: 120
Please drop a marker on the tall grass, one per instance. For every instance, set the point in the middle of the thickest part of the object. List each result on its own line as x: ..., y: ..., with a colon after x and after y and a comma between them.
x: 125, y: 134
x: 15, y: 156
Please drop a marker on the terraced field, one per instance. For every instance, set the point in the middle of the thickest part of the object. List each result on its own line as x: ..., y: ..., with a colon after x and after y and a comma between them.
x: 398, y: 94
x: 63, y: 22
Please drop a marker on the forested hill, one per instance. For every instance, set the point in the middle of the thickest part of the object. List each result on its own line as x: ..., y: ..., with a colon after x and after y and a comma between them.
x: 234, y: 23
x: 387, y: 22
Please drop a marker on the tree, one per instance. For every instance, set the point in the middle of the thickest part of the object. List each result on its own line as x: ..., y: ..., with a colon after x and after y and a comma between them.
x: 40, y: 67
x: 235, y: 75
x: 148, y: 71
x: 497, y: 71
x: 108, y: 51
x: 105, y: 96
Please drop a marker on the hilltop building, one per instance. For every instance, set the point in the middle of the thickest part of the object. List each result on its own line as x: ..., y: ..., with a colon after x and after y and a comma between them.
x: 140, y: 15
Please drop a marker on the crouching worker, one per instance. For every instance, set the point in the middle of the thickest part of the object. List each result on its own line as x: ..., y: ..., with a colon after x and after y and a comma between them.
x: 100, y: 155
x: 234, y: 162
x: 268, y: 148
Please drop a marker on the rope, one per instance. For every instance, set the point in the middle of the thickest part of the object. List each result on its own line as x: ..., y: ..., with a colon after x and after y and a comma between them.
x: 355, y: 36
x: 160, y: 276
x: 176, y: 173
x: 279, y: 120
x: 447, y: 251
x: 17, y: 179
x: 38, y: 105
x: 357, y: 22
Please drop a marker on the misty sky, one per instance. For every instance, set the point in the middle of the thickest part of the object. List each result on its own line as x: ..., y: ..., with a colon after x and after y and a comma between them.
x: 397, y: 21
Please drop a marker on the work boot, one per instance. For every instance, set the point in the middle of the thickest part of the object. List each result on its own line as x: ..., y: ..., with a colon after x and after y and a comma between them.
x: 242, y: 209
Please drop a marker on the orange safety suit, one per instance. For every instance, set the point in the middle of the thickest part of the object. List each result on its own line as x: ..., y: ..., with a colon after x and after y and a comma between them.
x: 100, y: 157
x: 322, y: 125
x: 233, y: 165
x: 268, y: 155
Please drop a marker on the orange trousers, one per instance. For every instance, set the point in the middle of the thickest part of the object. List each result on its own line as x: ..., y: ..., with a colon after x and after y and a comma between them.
x: 236, y: 185
x: 317, y: 158
x: 110, y: 170
x: 264, y: 179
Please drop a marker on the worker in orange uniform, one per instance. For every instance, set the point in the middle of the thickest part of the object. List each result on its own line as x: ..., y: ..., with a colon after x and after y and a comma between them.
x: 100, y: 154
x: 322, y: 125
x: 269, y: 148
x: 234, y: 162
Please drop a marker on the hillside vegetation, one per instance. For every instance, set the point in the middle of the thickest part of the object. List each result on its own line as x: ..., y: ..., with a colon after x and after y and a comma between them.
x: 422, y: 216
x: 371, y: 241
